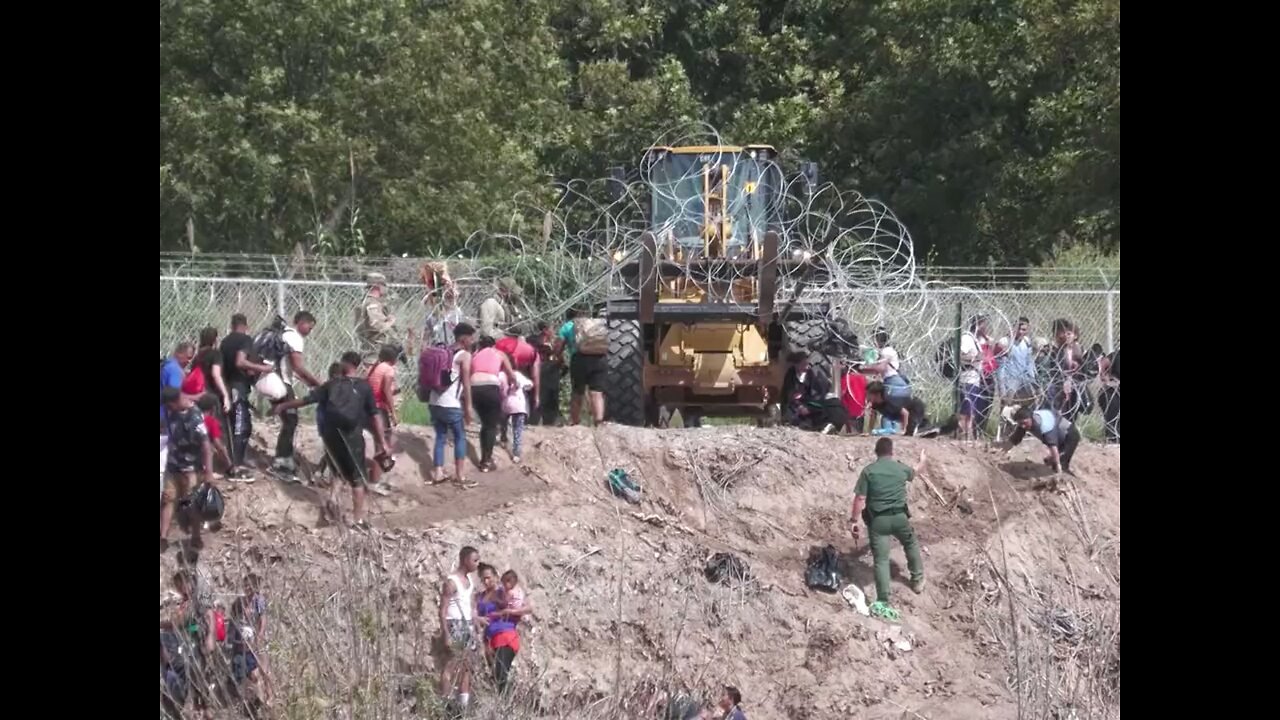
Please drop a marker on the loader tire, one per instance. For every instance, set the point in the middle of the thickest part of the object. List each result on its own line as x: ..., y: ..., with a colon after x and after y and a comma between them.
x: 811, y: 336
x: 626, y: 401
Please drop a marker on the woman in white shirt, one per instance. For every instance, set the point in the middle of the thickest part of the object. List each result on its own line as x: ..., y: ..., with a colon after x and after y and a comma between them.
x: 887, y: 366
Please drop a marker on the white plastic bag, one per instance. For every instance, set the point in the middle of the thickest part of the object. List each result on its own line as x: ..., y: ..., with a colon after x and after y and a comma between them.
x: 271, y: 386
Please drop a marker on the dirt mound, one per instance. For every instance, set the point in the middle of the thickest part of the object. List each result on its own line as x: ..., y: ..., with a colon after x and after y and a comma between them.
x: 1022, y: 606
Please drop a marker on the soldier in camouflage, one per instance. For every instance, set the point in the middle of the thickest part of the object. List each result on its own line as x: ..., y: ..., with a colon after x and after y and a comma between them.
x: 375, y: 326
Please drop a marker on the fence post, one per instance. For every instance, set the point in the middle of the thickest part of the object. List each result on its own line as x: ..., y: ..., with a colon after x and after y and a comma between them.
x: 955, y: 383
x: 1111, y: 320
x: 280, y: 298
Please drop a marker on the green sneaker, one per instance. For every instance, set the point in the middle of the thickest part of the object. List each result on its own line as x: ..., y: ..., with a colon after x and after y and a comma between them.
x: 884, y: 612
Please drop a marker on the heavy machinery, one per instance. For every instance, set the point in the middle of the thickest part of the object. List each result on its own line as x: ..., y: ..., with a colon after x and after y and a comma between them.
x: 697, y: 326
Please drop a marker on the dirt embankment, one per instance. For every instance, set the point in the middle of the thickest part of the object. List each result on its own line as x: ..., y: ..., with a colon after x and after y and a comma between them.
x: 1022, y: 606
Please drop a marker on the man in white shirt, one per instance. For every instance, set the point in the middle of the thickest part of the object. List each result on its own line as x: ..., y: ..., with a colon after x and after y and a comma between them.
x: 292, y: 369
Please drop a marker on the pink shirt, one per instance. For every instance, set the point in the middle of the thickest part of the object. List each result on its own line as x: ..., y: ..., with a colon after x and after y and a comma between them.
x: 487, y: 362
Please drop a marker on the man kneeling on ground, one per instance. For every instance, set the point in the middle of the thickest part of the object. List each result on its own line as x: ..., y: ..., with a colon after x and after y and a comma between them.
x: 804, y: 397
x: 1051, y: 428
x: 904, y: 414
x: 348, y: 408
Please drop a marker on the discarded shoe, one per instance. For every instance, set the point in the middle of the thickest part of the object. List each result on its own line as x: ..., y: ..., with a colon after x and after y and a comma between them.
x: 623, y: 486
x: 857, y: 599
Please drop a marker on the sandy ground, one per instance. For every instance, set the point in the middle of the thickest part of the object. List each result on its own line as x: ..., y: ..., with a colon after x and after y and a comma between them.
x: 1022, y: 605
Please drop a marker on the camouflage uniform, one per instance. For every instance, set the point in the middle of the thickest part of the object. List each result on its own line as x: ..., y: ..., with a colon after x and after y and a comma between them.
x: 374, y: 326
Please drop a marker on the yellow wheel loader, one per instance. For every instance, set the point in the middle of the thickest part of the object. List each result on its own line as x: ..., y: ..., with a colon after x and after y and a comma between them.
x: 697, y: 327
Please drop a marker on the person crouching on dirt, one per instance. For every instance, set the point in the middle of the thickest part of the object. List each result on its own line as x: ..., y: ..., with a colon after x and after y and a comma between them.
x: 1051, y: 428
x: 899, y: 414
x: 804, y: 395
x: 348, y: 408
x: 880, y: 500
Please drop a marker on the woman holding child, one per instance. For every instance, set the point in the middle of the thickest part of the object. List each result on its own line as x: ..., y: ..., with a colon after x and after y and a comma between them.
x: 500, y: 607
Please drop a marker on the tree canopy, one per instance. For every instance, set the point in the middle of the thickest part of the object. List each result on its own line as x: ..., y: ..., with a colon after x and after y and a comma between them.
x: 991, y: 127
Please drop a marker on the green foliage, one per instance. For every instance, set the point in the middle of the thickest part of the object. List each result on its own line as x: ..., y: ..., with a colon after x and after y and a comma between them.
x: 991, y: 127
x: 1082, y: 260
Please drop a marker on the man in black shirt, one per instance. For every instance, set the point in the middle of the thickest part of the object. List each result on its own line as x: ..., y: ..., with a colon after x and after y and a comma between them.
x: 905, y: 412
x: 239, y: 370
x: 348, y: 409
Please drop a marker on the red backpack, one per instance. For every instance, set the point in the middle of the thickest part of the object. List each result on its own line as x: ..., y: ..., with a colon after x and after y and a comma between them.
x: 194, y: 383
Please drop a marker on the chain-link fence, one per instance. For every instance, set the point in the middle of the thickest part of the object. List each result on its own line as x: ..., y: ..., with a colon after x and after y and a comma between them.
x: 918, y: 320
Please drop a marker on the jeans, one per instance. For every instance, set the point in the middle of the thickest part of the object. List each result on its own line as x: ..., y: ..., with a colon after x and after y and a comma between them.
x: 897, y: 387
x: 517, y: 432
x: 448, y: 421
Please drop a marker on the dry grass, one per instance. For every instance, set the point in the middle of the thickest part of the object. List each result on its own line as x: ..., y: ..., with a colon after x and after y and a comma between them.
x: 1062, y: 646
x: 352, y: 634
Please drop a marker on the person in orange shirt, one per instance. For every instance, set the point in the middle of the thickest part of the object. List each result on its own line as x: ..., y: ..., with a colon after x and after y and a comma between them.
x: 382, y: 377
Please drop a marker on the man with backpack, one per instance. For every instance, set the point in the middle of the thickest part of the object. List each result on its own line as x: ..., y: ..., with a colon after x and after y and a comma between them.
x: 444, y: 383
x: 880, y: 501
x: 588, y: 372
x: 282, y: 346
x: 349, y: 408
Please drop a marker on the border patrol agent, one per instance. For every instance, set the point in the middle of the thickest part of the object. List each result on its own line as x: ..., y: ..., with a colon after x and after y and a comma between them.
x: 880, y: 500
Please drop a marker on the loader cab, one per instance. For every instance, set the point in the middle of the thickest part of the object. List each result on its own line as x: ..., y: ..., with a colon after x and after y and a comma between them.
x: 712, y: 201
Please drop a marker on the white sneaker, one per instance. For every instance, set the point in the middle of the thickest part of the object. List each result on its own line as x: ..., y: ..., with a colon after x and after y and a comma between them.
x: 828, y: 429
x: 381, y: 488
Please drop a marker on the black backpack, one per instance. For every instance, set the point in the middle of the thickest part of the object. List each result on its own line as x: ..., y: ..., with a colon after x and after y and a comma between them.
x: 343, y: 408
x: 945, y: 358
x: 823, y: 571
x: 269, y: 344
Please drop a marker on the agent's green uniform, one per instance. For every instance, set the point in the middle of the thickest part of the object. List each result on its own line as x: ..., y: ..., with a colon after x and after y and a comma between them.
x: 884, y: 484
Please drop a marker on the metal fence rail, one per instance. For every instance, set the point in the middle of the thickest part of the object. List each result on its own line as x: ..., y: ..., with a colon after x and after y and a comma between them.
x: 918, y: 320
